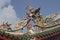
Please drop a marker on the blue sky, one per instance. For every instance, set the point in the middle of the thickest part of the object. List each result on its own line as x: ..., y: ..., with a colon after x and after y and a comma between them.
x: 47, y: 6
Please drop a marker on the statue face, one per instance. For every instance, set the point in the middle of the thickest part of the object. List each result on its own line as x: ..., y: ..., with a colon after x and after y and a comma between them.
x: 30, y: 14
x: 30, y: 8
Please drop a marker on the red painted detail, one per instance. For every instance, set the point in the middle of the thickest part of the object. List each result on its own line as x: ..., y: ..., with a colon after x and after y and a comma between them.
x: 43, y: 37
x: 9, y: 38
x: 1, y: 37
x: 49, y: 35
x: 46, y: 36
x: 4, y: 37
x: 40, y: 38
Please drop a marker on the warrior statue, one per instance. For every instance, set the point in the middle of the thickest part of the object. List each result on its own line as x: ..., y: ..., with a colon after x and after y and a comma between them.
x: 35, y: 16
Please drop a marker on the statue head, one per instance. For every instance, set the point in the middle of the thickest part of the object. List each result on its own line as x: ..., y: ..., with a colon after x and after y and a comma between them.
x: 29, y: 7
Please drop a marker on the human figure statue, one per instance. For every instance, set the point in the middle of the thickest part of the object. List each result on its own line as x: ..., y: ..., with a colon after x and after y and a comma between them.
x: 35, y: 16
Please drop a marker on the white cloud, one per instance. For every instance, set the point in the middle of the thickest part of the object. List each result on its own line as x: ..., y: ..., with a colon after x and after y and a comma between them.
x: 7, y: 13
x: 4, y: 2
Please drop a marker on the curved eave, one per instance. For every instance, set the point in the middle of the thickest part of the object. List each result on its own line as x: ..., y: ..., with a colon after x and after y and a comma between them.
x: 42, y: 35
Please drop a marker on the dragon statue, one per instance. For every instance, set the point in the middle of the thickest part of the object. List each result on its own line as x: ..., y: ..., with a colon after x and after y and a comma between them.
x: 5, y: 26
